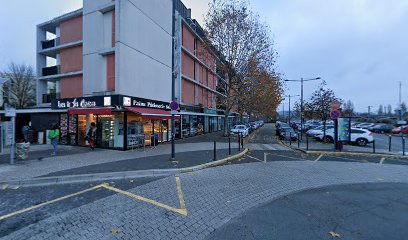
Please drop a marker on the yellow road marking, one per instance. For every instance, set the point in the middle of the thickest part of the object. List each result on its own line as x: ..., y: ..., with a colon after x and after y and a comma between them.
x: 350, y: 159
x: 382, y: 160
x: 180, y: 195
x: 182, y: 210
x: 318, y: 158
x: 49, y: 202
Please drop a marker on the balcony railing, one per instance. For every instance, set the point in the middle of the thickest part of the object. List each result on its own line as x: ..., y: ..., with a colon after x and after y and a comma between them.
x: 47, y: 98
x: 50, y: 43
x: 47, y: 71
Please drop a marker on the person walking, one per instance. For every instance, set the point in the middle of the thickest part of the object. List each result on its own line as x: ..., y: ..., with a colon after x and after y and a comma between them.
x: 53, y: 135
x: 91, y: 136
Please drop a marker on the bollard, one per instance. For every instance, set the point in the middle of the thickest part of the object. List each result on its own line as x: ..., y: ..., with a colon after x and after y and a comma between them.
x: 290, y: 138
x: 239, y: 144
x: 229, y: 146
x: 307, y: 142
x: 374, y: 146
x: 298, y: 141
x: 215, y: 150
x: 242, y: 142
x: 403, y: 146
x: 389, y: 143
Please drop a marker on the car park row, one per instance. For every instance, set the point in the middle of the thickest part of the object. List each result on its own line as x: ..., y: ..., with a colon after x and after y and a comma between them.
x: 246, y: 129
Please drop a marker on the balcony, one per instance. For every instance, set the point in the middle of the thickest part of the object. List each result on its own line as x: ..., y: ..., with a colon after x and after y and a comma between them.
x: 50, y: 43
x: 47, y: 71
x: 47, y: 98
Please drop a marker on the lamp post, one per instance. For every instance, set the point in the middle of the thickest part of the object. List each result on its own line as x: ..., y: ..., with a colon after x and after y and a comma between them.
x: 289, y: 96
x: 301, y: 98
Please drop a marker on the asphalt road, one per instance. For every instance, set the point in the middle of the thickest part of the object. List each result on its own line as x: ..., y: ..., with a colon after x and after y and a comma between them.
x: 278, y: 219
x: 360, y: 211
x: 12, y: 200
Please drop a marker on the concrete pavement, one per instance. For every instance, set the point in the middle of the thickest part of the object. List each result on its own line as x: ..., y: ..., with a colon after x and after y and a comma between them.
x: 212, y: 197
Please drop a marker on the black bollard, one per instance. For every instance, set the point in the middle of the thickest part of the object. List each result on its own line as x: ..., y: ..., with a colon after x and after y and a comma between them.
x: 298, y: 141
x: 307, y: 143
x: 389, y: 143
x: 374, y: 146
x: 215, y: 150
x: 403, y: 146
x: 239, y: 144
x: 290, y: 138
x: 229, y: 146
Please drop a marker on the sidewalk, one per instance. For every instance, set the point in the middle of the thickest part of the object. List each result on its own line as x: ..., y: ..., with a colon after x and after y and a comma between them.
x: 102, y: 160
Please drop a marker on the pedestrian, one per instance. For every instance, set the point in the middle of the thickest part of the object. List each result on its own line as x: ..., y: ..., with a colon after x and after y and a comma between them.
x: 25, y: 130
x: 91, y: 136
x: 53, y: 135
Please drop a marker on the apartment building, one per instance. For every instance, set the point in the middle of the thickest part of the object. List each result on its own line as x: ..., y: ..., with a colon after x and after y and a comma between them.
x: 111, y: 63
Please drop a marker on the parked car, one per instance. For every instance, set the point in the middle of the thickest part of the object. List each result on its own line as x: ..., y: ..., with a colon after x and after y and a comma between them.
x: 287, y: 133
x: 240, y: 129
x: 366, y: 126
x: 401, y: 129
x: 318, y: 130
x: 381, y: 128
x: 359, y: 136
x: 280, y: 126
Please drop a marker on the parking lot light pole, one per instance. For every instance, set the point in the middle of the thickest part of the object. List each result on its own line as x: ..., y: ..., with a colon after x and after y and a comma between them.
x: 289, y: 96
x: 301, y: 98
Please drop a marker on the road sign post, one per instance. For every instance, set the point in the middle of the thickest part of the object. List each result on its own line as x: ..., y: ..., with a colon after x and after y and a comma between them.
x: 11, y: 112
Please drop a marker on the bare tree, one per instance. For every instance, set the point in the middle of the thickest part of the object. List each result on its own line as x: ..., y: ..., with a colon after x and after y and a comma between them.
x: 348, y: 108
x: 20, y: 89
x: 389, y: 110
x: 381, y: 110
x: 239, y: 36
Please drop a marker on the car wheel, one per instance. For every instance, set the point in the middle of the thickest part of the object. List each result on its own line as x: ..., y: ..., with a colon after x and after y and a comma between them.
x: 362, y: 142
x: 328, y: 139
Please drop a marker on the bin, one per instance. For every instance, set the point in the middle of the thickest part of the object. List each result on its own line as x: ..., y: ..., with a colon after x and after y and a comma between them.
x: 22, y: 150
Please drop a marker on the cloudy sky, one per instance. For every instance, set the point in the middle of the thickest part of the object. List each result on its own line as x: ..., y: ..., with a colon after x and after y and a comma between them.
x: 358, y: 46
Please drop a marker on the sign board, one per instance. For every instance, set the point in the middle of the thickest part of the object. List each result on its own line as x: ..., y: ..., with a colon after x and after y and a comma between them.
x: 343, y: 128
x: 335, y: 105
x: 335, y: 114
x: 174, y: 112
x: 10, y: 112
x: 174, y: 106
x: 401, y: 122
x: 108, y: 101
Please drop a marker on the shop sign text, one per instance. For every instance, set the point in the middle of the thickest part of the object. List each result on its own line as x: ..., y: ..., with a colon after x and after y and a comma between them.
x: 76, y: 104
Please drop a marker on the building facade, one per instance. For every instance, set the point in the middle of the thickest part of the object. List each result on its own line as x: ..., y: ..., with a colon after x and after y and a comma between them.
x: 111, y: 63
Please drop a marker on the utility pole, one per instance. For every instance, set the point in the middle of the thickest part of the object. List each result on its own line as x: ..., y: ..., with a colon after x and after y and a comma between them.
x: 399, y: 103
x: 369, y: 110
x: 173, y: 85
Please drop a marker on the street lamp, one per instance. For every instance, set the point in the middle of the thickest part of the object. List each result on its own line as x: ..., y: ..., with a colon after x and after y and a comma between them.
x: 289, y: 96
x: 301, y: 97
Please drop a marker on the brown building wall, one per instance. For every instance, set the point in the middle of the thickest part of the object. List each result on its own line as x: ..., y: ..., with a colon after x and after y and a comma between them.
x: 71, y: 59
x: 188, y: 92
x: 71, y: 30
x: 110, y: 72
x: 71, y: 86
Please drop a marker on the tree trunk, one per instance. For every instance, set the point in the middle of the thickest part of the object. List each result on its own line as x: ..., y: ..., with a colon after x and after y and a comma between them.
x: 226, y: 130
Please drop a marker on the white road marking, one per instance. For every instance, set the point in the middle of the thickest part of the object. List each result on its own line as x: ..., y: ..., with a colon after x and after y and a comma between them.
x: 254, y: 158
x: 318, y: 158
x: 268, y: 146
x: 382, y: 160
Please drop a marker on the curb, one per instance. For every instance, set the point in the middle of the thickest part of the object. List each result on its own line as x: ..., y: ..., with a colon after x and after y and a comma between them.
x: 46, y: 181
x: 329, y: 153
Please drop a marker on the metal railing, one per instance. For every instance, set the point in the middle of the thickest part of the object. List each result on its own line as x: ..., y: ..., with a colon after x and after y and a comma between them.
x: 53, y: 70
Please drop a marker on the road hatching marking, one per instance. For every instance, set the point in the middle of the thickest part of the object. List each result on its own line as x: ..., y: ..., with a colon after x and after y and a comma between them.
x: 318, y: 158
x: 49, y: 202
x: 182, y: 210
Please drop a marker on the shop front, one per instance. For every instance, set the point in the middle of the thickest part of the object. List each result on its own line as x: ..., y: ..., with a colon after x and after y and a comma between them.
x: 122, y: 122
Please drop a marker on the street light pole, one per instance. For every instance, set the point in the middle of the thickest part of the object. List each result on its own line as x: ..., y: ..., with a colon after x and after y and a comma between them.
x: 301, y: 108
x: 173, y: 85
x: 301, y: 99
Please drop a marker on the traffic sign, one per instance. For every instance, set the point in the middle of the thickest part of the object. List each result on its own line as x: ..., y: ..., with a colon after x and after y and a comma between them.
x: 335, y: 114
x: 10, y: 111
x: 335, y: 105
x: 174, y: 106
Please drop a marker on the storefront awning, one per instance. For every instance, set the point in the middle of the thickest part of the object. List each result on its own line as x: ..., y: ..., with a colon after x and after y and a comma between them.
x: 105, y: 111
x: 151, y: 113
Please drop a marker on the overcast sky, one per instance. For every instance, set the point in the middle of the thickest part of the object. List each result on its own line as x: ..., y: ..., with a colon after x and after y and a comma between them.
x: 358, y: 46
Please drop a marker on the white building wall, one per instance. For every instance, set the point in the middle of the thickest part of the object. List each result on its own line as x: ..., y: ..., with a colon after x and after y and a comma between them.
x: 144, y: 48
x: 94, y: 64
